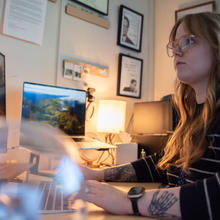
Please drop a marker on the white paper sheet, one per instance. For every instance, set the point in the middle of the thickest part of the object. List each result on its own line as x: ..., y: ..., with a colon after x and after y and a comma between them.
x: 25, y: 19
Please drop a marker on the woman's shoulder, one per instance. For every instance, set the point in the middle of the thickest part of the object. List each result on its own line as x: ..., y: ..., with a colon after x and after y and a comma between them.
x: 215, y: 125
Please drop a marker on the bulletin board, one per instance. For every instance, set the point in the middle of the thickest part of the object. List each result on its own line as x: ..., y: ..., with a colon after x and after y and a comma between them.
x: 75, y: 70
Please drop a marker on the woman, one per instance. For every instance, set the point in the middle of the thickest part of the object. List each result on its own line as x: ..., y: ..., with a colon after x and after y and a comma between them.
x: 191, y: 160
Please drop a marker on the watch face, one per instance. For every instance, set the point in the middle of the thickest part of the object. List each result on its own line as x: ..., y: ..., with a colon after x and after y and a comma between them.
x: 136, y: 192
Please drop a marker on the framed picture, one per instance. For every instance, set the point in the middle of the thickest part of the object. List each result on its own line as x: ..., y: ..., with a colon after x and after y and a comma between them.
x: 130, y: 28
x: 129, y: 76
x: 100, y: 6
x: 2, y: 85
x: 204, y: 7
x: 53, y: 1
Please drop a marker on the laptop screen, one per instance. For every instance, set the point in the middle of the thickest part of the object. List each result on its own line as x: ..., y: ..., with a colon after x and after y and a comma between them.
x: 58, y: 106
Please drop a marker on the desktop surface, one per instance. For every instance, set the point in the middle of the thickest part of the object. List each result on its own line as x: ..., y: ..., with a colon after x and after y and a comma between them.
x: 95, y: 212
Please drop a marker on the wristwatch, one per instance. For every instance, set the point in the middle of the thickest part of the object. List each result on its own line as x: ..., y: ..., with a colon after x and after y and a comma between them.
x: 134, y: 194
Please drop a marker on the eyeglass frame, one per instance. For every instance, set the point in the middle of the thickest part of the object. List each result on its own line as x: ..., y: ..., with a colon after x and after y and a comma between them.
x: 181, y: 49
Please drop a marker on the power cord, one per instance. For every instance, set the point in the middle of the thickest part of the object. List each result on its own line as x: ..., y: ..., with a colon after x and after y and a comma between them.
x: 90, y: 100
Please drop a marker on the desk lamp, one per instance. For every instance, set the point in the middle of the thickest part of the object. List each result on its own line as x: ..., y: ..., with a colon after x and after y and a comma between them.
x: 111, y: 117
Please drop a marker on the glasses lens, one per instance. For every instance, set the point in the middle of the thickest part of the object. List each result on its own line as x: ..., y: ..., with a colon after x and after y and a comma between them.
x: 186, y: 42
x: 170, y: 49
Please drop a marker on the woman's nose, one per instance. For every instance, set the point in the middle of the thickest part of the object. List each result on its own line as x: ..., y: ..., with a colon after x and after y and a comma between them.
x: 177, y: 51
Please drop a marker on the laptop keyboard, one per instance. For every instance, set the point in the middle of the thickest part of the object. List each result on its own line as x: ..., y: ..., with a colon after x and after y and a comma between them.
x: 53, y: 199
x: 85, y: 143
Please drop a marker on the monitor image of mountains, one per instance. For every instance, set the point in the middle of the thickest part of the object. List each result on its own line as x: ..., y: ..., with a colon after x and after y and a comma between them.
x: 60, y: 111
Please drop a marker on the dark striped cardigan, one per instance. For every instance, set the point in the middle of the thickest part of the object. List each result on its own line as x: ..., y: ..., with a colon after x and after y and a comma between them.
x: 200, y: 191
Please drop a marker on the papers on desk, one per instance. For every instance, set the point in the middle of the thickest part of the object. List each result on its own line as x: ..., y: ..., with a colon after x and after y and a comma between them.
x: 25, y: 19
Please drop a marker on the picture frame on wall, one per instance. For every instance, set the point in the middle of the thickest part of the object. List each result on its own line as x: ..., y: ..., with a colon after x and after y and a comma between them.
x: 54, y: 1
x: 130, y: 28
x: 100, y: 6
x: 129, y: 76
x: 204, y: 7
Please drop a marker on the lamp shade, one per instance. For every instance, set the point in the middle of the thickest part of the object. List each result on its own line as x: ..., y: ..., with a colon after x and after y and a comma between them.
x: 111, y: 116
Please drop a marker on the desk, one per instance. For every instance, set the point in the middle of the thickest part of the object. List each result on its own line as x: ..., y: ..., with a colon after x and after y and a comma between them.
x: 97, y: 213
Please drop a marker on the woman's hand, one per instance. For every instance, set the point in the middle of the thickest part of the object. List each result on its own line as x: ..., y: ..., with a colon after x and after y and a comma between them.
x: 92, y: 174
x: 106, y: 197
x: 159, y: 203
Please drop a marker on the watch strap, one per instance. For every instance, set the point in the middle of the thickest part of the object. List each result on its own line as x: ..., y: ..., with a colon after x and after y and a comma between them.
x: 135, y: 206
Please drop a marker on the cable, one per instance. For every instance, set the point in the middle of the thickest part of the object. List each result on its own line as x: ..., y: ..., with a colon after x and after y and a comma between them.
x: 90, y: 99
x: 100, y: 156
x: 93, y: 110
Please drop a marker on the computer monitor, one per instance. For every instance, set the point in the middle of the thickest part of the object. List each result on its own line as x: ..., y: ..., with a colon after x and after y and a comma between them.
x: 3, y: 132
x: 61, y: 107
x: 153, y: 117
x: 2, y: 85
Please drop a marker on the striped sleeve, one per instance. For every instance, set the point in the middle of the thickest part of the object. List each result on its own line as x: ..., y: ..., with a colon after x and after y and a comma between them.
x: 147, y: 171
x: 201, y: 199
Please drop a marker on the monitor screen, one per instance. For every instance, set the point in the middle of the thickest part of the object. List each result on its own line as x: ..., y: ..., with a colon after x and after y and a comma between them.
x: 58, y: 106
x: 3, y: 134
x: 152, y: 117
x: 2, y: 85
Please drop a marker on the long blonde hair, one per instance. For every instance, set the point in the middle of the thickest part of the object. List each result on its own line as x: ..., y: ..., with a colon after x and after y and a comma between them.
x: 188, y: 142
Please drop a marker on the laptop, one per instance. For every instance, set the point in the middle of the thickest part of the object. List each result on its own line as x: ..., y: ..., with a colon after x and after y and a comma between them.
x: 49, y: 195
x: 53, y: 200
x: 64, y: 108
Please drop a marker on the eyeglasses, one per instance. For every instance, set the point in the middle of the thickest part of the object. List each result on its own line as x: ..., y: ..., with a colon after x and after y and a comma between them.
x: 183, y: 44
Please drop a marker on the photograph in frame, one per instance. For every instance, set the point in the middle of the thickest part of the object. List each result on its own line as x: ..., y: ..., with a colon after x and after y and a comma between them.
x: 100, y: 6
x: 204, y: 7
x: 2, y: 85
x: 129, y: 76
x: 130, y: 28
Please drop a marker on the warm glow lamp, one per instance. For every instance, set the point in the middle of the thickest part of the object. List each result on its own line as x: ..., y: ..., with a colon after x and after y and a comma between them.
x: 111, y: 116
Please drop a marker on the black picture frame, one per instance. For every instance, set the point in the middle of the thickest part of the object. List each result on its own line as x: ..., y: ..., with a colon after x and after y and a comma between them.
x: 129, y: 76
x: 2, y: 86
x: 204, y: 7
x: 130, y: 28
x: 100, y: 6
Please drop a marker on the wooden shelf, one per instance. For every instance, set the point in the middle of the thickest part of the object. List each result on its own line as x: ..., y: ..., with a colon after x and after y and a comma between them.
x: 86, y: 16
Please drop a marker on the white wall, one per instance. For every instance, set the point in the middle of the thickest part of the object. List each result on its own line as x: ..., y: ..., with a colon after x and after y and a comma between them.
x: 164, y: 74
x: 67, y: 36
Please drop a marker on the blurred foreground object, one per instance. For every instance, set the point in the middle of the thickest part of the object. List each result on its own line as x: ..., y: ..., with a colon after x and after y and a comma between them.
x: 43, y: 139
x: 19, y: 202
x: 8, y: 170
x: 69, y: 176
